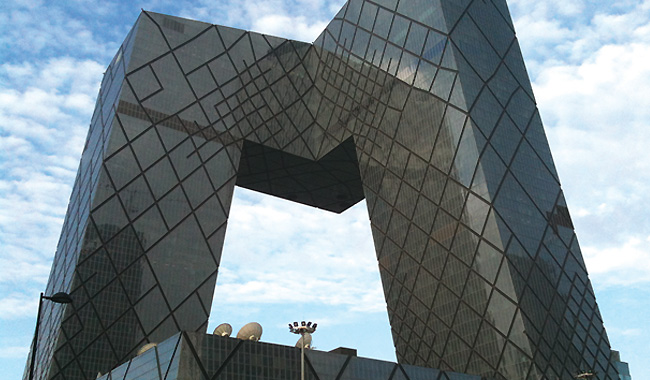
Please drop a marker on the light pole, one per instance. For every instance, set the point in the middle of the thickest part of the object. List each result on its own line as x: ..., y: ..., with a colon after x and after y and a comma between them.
x: 60, y: 297
x: 585, y: 375
x: 305, y: 328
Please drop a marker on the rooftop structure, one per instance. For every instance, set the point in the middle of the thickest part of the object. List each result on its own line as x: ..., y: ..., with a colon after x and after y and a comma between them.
x: 204, y: 357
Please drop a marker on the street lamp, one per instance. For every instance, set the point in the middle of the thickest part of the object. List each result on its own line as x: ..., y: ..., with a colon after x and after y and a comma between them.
x: 585, y: 375
x: 305, y: 328
x: 60, y: 297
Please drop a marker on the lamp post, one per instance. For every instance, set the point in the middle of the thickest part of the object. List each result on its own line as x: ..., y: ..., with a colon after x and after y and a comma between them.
x: 60, y: 297
x: 585, y: 375
x: 302, y: 329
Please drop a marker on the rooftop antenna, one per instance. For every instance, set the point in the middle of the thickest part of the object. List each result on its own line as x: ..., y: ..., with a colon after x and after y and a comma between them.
x: 146, y: 348
x: 223, y: 329
x: 250, y: 331
x: 304, y: 339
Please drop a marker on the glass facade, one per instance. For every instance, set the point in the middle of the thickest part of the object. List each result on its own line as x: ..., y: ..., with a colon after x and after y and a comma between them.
x: 204, y: 357
x: 622, y: 367
x: 423, y: 108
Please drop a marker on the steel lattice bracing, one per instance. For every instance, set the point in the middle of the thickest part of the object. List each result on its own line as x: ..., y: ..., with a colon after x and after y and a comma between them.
x: 423, y: 109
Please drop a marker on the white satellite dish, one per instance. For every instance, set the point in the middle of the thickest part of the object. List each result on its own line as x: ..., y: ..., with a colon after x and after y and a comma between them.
x: 223, y: 329
x: 307, y: 338
x: 146, y: 348
x: 250, y: 331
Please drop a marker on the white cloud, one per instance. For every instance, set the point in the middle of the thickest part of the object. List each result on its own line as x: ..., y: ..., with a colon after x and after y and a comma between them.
x: 16, y: 305
x: 599, y: 131
x: 555, y: 31
x: 40, y: 28
x: 14, y: 352
x: 533, y: 30
x: 277, y: 250
x: 302, y: 20
x: 591, y: 94
x: 632, y: 332
x: 619, y: 265
x: 16, y: 267
x: 591, y: 73
x: 45, y: 107
x: 298, y: 28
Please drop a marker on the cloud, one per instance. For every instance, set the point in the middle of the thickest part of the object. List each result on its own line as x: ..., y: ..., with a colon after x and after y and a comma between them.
x: 590, y: 90
x: 44, y: 111
x: 45, y: 28
x: 301, y: 20
x: 599, y: 130
x: 555, y: 31
x: 14, y: 352
x: 590, y: 71
x: 276, y: 251
x: 18, y: 305
x: 17, y: 266
x: 619, y: 265
x: 632, y: 332
x: 297, y: 28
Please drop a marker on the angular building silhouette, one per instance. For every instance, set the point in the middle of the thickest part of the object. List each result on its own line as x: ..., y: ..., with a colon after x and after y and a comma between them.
x: 190, y: 355
x: 423, y: 108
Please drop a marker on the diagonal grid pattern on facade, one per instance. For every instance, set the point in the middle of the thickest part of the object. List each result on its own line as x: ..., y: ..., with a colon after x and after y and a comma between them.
x: 423, y: 108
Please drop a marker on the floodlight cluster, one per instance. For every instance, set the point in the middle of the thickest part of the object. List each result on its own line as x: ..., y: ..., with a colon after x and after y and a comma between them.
x: 303, y: 327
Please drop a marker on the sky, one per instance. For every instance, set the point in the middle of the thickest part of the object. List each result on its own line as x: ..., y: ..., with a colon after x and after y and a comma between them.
x: 589, y: 64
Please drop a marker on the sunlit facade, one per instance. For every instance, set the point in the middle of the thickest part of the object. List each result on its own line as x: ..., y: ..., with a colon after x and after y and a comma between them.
x: 422, y: 108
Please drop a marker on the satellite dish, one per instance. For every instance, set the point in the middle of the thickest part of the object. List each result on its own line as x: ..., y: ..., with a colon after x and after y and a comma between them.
x: 250, y: 331
x: 307, y: 338
x: 146, y: 348
x: 223, y: 329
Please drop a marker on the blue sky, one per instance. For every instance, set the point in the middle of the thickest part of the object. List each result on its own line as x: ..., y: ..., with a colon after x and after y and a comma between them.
x: 588, y: 61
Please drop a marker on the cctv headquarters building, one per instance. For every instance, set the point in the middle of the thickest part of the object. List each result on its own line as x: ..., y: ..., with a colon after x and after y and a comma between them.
x: 421, y: 107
